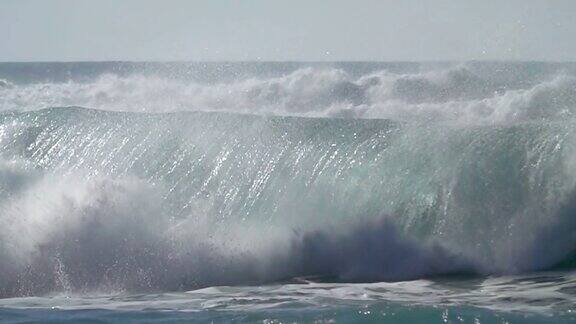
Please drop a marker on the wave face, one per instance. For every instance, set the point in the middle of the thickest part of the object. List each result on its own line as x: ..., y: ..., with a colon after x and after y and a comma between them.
x: 112, y: 201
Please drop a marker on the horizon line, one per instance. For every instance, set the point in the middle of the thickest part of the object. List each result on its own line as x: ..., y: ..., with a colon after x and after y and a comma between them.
x: 292, y: 61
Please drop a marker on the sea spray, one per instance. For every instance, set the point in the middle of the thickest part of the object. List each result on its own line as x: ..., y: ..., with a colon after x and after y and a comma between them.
x: 118, y: 201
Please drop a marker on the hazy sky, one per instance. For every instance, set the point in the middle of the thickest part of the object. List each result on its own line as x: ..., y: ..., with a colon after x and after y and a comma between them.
x: 312, y: 30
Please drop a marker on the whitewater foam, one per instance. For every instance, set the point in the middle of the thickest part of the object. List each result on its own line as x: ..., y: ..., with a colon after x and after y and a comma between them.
x: 456, y: 94
x: 112, y: 236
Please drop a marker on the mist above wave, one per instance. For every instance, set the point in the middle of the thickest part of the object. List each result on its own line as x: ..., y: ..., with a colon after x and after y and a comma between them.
x: 456, y: 94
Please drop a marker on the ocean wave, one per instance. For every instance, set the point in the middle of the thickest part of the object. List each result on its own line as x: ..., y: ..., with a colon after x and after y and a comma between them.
x: 94, y: 200
x: 456, y: 94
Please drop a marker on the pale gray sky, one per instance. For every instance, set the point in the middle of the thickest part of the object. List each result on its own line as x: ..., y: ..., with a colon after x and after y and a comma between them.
x: 310, y: 30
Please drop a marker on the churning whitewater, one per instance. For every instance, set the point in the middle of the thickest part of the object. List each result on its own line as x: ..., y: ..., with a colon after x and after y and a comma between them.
x: 480, y: 93
x: 126, y: 178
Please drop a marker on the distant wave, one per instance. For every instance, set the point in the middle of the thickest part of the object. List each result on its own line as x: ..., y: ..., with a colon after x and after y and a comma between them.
x: 455, y: 94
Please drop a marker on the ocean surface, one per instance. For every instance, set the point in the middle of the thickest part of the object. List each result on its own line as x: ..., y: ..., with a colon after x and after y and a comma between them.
x: 288, y: 192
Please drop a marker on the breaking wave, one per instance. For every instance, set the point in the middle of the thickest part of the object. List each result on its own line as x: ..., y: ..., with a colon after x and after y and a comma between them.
x: 457, y: 94
x: 95, y: 200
